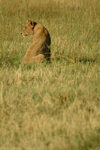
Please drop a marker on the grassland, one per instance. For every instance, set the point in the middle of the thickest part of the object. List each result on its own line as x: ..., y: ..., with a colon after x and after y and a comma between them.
x: 51, y: 106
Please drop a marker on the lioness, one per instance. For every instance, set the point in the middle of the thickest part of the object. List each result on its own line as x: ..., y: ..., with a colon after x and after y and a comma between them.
x: 40, y: 48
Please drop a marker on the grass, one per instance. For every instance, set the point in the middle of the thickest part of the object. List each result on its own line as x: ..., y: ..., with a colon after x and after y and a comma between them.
x: 50, y: 106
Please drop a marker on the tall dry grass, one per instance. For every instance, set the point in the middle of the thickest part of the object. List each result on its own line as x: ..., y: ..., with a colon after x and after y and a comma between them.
x: 50, y: 106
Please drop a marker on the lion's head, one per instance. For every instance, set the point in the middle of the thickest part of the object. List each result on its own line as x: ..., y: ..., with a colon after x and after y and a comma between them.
x: 28, y: 28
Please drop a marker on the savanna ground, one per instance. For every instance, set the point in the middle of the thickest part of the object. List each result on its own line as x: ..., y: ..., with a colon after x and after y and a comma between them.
x: 50, y: 106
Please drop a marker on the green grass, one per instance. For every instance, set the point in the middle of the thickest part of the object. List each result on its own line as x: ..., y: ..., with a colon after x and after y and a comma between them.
x: 52, y: 106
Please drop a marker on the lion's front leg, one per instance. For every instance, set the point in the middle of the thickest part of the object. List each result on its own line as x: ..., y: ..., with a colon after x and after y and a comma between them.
x: 36, y: 59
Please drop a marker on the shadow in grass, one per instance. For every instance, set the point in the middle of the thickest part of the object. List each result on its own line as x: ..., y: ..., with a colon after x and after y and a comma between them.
x: 14, y: 60
x: 86, y: 60
x: 74, y: 60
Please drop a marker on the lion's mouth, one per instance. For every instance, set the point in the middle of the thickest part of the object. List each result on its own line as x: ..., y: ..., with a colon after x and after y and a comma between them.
x: 24, y: 35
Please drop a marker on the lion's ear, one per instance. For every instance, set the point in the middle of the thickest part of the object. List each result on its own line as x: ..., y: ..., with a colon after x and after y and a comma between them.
x: 33, y: 23
x: 29, y: 20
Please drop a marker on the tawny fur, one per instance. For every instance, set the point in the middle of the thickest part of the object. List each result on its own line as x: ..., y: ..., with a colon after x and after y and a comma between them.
x: 39, y: 51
